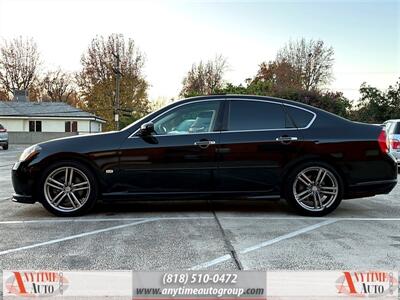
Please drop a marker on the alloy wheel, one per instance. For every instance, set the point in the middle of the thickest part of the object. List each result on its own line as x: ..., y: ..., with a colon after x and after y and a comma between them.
x: 315, y: 188
x: 67, y: 189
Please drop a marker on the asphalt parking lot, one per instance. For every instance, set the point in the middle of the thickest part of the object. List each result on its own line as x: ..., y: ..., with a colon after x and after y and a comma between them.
x: 361, y: 234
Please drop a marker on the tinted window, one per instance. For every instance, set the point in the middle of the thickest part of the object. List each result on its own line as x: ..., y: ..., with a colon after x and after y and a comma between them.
x: 190, y: 118
x: 396, y: 129
x: 253, y: 115
x: 301, y: 118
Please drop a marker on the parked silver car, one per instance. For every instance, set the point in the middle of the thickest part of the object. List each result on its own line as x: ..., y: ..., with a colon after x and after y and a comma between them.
x: 3, y: 137
x: 392, y: 128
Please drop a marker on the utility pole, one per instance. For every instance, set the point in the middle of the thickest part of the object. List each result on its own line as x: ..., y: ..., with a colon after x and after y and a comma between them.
x: 117, y: 71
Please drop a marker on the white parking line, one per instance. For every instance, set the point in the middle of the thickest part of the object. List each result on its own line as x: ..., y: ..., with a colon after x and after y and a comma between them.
x: 76, y: 236
x: 287, y: 236
x: 70, y: 221
x: 74, y: 220
x: 210, y: 263
x: 313, y: 218
x: 278, y: 239
x: 78, y: 220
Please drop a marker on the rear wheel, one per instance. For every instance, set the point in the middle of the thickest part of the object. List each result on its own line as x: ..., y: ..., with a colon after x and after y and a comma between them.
x: 314, y: 189
x: 68, y: 189
x: 5, y: 147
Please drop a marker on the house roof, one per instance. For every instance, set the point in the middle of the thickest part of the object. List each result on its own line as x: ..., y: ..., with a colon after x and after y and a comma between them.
x: 42, y: 109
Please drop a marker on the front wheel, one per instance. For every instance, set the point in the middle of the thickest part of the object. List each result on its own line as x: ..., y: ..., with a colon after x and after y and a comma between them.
x: 314, y: 189
x: 68, y: 189
x: 5, y: 147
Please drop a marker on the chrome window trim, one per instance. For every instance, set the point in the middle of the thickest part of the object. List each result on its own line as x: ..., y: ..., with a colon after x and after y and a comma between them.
x: 279, y: 103
x: 133, y: 135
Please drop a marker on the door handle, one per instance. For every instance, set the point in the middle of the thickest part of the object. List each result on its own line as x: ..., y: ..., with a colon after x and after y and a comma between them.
x: 286, y: 139
x: 204, y: 143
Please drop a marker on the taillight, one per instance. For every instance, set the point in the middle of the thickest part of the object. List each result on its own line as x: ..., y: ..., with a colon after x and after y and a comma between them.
x: 382, y: 140
x: 3, y: 130
x: 394, y: 144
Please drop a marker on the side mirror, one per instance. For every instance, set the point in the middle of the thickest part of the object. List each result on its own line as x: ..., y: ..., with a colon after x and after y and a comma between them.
x: 146, y: 129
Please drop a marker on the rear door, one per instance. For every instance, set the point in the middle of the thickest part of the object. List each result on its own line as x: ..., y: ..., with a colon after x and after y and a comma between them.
x: 259, y: 140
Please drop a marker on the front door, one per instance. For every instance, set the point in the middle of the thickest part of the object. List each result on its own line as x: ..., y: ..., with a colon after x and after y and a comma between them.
x: 179, y: 157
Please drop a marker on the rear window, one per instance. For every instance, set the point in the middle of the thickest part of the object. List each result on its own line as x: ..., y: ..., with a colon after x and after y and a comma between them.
x: 300, y: 117
x: 396, y: 128
x: 255, y: 115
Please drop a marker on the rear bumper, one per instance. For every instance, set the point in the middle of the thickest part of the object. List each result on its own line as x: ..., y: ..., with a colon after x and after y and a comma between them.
x: 2, y: 143
x: 371, y: 188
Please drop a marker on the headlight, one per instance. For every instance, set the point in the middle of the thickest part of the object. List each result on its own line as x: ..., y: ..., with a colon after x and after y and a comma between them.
x: 30, y: 152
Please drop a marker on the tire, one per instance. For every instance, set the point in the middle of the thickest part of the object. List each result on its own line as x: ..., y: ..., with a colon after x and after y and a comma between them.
x: 5, y: 147
x: 67, y: 198
x: 318, y: 197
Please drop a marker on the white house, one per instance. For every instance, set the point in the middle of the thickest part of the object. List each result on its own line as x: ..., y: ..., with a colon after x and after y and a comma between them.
x: 50, y: 119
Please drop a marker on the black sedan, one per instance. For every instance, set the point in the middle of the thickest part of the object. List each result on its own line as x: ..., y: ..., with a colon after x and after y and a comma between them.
x: 214, y: 146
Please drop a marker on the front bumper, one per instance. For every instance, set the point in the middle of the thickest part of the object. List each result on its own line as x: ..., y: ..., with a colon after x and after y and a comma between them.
x: 396, y: 155
x: 23, y: 184
x: 23, y: 199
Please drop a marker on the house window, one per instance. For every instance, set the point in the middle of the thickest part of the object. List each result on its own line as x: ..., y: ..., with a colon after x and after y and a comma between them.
x: 35, y: 126
x: 71, y: 126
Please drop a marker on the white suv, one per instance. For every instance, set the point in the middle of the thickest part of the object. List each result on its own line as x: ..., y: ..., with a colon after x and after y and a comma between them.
x: 3, y: 137
x: 392, y: 128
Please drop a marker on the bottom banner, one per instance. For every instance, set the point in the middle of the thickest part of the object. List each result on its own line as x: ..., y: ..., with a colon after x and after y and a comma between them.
x: 332, y: 284
x: 246, y: 285
x: 67, y: 284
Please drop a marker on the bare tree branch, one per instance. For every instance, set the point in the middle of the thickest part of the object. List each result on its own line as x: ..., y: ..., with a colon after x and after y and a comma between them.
x: 312, y: 59
x: 19, y: 63
x: 205, y: 78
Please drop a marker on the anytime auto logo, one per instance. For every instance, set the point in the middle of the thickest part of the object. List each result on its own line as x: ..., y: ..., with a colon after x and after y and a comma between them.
x: 36, y: 283
x: 367, y: 284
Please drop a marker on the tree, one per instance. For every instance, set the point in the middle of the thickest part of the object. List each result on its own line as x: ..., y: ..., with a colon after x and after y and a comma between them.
x: 204, y: 78
x: 96, y: 80
x: 376, y: 106
x: 280, y: 74
x: 311, y: 59
x: 58, y: 86
x: 19, y: 63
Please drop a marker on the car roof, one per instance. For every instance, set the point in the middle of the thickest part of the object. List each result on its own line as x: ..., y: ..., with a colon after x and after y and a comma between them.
x: 250, y: 97
x: 266, y: 98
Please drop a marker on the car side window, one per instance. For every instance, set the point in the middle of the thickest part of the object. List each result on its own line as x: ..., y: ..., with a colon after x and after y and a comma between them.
x: 300, y: 117
x: 190, y: 118
x: 255, y: 115
x: 396, y: 128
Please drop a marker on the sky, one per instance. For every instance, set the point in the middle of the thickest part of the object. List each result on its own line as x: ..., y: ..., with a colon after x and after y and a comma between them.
x: 173, y: 35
